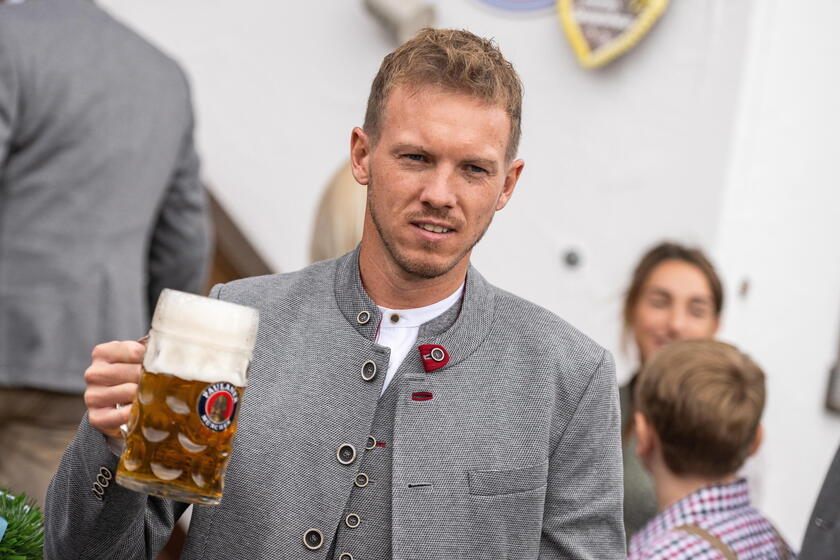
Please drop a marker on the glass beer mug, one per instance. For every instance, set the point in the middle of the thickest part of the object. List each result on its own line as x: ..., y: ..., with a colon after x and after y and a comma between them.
x: 180, y: 432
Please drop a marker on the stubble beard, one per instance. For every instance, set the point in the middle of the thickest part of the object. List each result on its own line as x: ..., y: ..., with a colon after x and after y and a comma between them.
x: 417, y: 267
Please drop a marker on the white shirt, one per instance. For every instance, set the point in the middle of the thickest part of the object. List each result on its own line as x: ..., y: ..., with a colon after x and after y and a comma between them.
x: 399, y: 328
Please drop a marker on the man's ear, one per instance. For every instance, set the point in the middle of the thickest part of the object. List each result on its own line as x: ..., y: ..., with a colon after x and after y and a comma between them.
x: 758, y: 440
x: 511, y: 178
x: 645, y: 436
x: 360, y: 148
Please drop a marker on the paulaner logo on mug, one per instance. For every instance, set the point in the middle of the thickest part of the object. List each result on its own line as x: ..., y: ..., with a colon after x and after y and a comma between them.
x: 217, y: 406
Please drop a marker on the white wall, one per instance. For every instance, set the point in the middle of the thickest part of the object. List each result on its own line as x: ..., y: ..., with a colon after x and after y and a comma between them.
x: 665, y: 142
x: 278, y: 87
x: 779, y: 231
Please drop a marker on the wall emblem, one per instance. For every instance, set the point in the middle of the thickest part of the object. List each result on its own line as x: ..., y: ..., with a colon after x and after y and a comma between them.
x: 602, y: 30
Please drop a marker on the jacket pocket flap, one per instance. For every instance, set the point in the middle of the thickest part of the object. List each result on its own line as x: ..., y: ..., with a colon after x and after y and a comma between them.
x: 496, y: 483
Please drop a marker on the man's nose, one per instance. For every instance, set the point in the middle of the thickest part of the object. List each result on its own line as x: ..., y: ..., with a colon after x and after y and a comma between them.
x: 439, y: 188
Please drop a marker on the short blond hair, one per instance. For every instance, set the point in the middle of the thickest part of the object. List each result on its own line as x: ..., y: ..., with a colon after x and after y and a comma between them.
x: 704, y: 399
x: 454, y: 60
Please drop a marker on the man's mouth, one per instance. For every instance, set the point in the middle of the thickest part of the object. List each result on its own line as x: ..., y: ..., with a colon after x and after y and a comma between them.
x: 434, y: 228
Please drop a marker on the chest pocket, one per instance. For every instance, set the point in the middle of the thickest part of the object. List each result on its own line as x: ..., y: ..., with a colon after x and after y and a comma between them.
x: 512, y: 481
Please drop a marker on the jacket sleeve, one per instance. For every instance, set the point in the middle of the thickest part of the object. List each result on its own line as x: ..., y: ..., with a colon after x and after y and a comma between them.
x: 822, y: 536
x: 179, y: 250
x: 124, y: 524
x: 583, y: 505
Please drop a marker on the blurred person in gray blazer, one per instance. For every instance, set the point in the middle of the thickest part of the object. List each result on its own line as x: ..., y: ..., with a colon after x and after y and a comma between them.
x: 100, y: 208
x: 822, y: 536
x: 398, y: 404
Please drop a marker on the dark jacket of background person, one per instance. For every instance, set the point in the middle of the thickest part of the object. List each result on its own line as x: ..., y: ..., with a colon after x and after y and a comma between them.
x: 639, y: 493
x: 822, y: 538
x: 100, y: 200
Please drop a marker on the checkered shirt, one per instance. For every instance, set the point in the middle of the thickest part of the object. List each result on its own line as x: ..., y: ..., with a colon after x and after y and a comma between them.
x: 722, y: 510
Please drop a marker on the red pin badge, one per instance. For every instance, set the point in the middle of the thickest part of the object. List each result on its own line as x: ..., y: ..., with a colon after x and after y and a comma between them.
x: 434, y: 356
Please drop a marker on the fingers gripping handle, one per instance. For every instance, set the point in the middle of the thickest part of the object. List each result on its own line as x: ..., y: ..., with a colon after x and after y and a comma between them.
x: 124, y: 427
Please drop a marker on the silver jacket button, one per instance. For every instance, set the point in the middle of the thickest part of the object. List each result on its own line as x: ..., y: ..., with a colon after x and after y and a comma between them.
x: 345, y: 453
x: 369, y: 370
x: 313, y: 539
x: 103, y: 480
x: 361, y: 480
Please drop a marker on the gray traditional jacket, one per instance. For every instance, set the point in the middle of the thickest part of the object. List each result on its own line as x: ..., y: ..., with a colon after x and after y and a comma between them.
x: 516, y: 454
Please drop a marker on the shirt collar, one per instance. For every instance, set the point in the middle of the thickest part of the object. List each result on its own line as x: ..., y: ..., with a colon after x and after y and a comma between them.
x: 708, y: 501
x: 413, y: 318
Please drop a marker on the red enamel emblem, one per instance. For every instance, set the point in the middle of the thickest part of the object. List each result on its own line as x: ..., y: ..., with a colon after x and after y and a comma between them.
x: 421, y: 396
x: 434, y: 356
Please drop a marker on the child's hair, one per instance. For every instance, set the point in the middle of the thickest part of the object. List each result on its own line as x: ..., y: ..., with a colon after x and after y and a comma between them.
x: 704, y: 399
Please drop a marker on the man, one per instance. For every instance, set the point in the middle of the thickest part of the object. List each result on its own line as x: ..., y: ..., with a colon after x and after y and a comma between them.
x: 399, y: 406
x: 100, y: 208
x: 822, y: 538
x: 699, y: 406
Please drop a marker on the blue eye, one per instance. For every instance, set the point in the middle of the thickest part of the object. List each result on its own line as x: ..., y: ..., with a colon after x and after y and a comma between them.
x: 475, y: 169
x: 414, y: 157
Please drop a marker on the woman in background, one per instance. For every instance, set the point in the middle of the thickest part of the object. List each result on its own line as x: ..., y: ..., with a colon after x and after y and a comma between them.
x: 675, y: 294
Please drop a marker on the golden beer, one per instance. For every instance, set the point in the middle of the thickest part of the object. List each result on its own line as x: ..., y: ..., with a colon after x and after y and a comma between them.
x: 180, y: 433
x: 170, y: 450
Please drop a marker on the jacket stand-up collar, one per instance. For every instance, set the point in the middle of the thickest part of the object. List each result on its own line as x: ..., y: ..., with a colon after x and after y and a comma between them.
x: 460, y: 329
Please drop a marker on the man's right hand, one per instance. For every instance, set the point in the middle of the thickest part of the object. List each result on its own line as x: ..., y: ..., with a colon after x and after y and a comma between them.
x: 112, y: 380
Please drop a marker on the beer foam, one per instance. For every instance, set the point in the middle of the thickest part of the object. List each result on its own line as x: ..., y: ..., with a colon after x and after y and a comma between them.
x: 201, y: 339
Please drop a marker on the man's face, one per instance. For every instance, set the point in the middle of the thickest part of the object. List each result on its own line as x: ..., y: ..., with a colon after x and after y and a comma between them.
x: 435, y: 178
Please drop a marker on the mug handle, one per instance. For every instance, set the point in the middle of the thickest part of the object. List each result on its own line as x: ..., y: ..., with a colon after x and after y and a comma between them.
x: 124, y: 427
